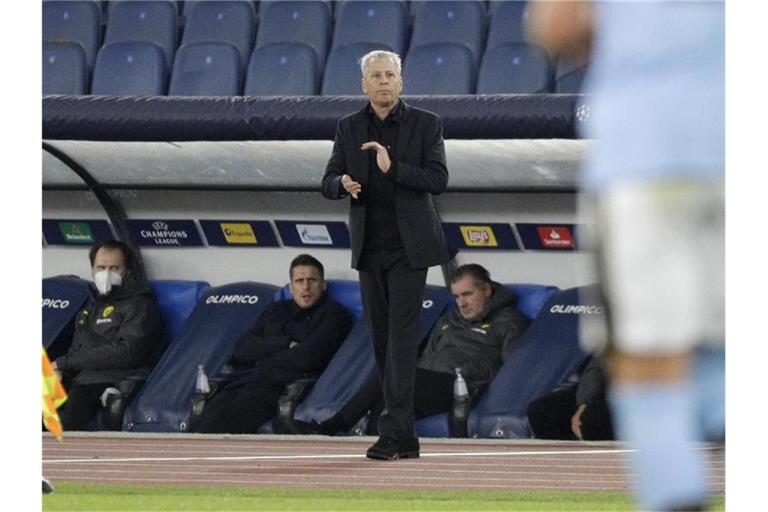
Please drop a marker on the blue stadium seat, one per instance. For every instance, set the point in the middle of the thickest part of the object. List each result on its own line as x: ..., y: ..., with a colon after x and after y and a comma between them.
x: 63, y: 297
x: 515, y: 68
x: 222, y: 22
x: 530, y: 301
x: 307, y: 22
x: 176, y: 299
x: 64, y: 68
x: 78, y: 22
x: 569, y: 76
x: 450, y: 22
x: 153, y: 22
x: 206, y: 69
x: 354, y: 362
x: 187, y: 6
x: 383, y: 22
x: 545, y: 356
x: 207, y: 337
x: 282, y: 69
x: 439, y: 68
x: 130, y: 68
x: 508, y: 23
x: 342, y: 71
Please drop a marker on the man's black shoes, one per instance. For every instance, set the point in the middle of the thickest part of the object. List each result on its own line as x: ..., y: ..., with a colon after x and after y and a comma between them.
x: 387, y: 448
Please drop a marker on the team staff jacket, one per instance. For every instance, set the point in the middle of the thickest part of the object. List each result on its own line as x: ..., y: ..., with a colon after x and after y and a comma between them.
x: 477, y: 347
x: 264, y: 350
x: 114, y: 336
x: 418, y: 169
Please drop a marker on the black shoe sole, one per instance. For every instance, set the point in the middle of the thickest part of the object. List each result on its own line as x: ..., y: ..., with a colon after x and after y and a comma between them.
x: 396, y: 456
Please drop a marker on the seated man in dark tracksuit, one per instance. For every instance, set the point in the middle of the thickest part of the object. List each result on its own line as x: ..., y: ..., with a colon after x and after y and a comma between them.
x: 119, y: 334
x: 575, y: 412
x: 292, y: 339
x: 474, y: 337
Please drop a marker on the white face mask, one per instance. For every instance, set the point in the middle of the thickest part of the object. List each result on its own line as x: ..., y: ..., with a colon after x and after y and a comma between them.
x: 105, y: 280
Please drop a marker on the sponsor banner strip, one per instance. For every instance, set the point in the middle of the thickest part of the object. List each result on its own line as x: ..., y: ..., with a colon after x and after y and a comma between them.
x: 549, y: 237
x: 76, y: 232
x: 480, y: 236
x: 168, y: 233
x: 239, y: 233
x: 300, y: 233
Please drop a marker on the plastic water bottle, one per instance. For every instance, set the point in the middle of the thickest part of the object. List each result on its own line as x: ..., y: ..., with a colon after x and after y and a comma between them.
x: 461, y: 402
x: 201, y: 384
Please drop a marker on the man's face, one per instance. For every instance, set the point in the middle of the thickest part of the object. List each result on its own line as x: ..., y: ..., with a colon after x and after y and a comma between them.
x: 109, y: 259
x: 306, y: 285
x: 382, y: 83
x: 471, y: 300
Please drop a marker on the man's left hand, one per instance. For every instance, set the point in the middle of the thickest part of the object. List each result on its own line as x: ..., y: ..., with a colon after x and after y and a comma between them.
x: 382, y: 155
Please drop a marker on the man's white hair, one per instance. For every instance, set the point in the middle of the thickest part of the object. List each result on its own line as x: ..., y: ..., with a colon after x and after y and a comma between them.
x: 365, y: 61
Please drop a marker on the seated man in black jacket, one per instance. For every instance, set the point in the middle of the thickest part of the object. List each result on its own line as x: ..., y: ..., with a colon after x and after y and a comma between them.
x: 474, y: 337
x: 292, y: 339
x: 117, y: 335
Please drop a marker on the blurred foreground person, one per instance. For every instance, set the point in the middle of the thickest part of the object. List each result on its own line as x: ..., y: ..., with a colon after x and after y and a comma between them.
x: 655, y: 186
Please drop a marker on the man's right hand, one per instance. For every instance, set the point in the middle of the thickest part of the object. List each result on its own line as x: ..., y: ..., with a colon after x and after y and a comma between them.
x: 576, y: 421
x: 350, y: 185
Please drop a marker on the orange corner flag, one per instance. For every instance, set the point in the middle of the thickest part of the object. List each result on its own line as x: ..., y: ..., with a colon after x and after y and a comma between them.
x: 53, y: 396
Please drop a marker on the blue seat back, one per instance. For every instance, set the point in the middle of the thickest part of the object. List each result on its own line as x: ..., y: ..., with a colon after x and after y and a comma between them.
x: 175, y: 300
x: 77, y: 22
x: 508, y: 23
x: 64, y: 68
x: 153, y: 22
x: 222, y: 22
x: 569, y: 76
x: 354, y: 362
x: 382, y: 23
x: 439, y: 68
x: 286, y: 69
x: 345, y: 292
x: 130, y: 68
x: 63, y: 297
x: 207, y: 337
x: 450, y: 22
x: 305, y: 22
x: 206, y: 69
x: 546, y: 355
x: 342, y: 70
x: 515, y: 68
x: 530, y: 300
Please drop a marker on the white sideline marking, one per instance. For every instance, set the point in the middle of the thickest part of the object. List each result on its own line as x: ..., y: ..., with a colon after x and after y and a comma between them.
x: 332, y: 456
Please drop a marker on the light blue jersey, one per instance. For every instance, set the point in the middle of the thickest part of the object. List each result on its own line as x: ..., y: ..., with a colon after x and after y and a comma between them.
x: 658, y: 82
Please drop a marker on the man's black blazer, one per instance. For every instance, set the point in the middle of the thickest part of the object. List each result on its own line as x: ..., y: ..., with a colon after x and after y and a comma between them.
x: 419, y: 171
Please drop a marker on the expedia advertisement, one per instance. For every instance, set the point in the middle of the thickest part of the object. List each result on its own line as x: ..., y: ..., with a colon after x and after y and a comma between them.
x: 165, y: 233
x: 75, y: 231
x: 298, y: 233
x: 481, y: 236
x: 239, y: 233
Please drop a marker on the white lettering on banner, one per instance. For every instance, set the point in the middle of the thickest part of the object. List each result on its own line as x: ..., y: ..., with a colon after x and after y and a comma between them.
x: 314, y: 234
x: 145, y: 233
x: 427, y: 304
x: 576, y: 309
x: 232, y: 299
x: 100, y: 321
x: 55, y: 303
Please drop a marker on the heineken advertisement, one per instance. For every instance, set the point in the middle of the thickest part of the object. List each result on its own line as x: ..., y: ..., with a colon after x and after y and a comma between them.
x: 76, y: 231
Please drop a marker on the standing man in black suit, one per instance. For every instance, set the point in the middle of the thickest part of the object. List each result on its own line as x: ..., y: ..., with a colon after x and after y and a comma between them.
x: 390, y: 158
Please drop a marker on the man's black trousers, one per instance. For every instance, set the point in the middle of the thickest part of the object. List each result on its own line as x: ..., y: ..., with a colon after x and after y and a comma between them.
x: 392, y: 295
x: 550, y: 417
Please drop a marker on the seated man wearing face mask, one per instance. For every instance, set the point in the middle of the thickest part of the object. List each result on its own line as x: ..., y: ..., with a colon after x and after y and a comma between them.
x: 117, y: 334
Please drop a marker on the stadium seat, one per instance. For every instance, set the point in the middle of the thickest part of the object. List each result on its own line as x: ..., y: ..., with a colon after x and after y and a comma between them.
x: 450, y: 22
x: 187, y: 6
x: 439, y: 68
x: 153, y: 22
x: 508, y: 23
x: 307, y: 22
x: 354, y: 362
x: 383, y: 23
x: 63, y: 297
x: 570, y: 76
x: 207, y: 337
x: 342, y: 71
x: 545, y: 356
x: 530, y: 301
x: 222, y: 22
x: 64, y: 68
x: 130, y: 68
x: 176, y: 299
x: 282, y: 69
x: 77, y: 22
x: 515, y: 68
x: 206, y: 69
